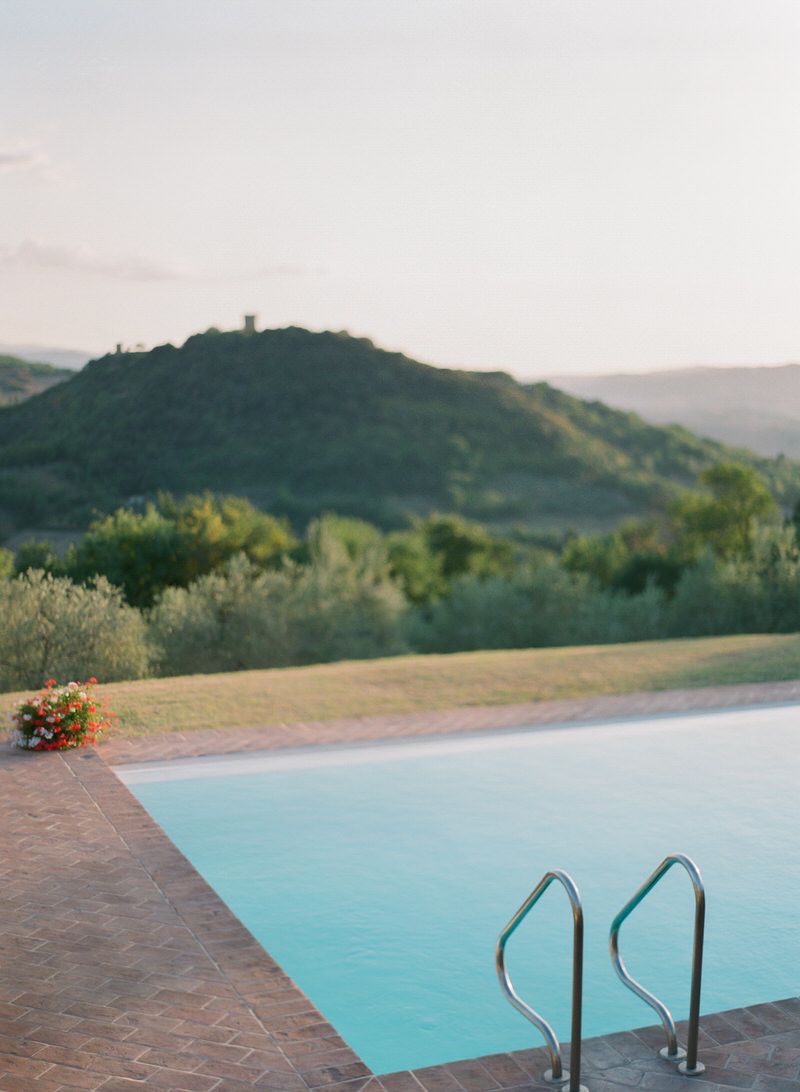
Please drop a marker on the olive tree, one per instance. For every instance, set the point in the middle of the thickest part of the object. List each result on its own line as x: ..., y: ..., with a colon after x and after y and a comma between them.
x: 50, y: 627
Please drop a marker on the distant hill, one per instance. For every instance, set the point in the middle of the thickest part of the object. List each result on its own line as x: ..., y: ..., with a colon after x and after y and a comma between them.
x: 21, y: 378
x: 303, y: 422
x: 757, y: 408
x: 61, y: 358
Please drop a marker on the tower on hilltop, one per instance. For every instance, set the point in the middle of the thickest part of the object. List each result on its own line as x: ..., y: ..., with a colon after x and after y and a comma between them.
x: 249, y: 326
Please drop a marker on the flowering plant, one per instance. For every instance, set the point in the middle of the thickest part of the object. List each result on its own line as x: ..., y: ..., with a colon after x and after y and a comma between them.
x: 59, y: 717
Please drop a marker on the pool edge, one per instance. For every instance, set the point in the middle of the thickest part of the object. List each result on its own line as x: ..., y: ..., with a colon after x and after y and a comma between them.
x: 625, y: 1059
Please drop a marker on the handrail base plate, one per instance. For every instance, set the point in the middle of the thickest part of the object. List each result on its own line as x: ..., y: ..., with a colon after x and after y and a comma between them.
x: 678, y: 1056
x: 562, y: 1081
x: 698, y: 1069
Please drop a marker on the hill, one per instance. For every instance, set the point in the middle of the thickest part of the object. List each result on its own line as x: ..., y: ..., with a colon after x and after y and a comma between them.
x: 303, y: 422
x: 756, y: 407
x: 22, y: 378
x: 60, y: 358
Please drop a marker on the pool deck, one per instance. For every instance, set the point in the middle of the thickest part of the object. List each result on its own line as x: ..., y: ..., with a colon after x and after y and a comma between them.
x: 120, y: 968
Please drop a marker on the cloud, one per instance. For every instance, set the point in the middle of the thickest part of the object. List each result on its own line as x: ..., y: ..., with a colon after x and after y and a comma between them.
x: 33, y: 255
x: 268, y: 272
x: 21, y: 159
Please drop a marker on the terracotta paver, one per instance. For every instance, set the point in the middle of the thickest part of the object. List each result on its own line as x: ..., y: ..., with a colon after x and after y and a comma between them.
x: 116, y: 958
x: 765, y: 1060
x: 120, y: 968
x: 440, y: 722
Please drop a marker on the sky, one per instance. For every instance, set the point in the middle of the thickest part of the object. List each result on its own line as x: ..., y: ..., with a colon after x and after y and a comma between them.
x: 544, y: 186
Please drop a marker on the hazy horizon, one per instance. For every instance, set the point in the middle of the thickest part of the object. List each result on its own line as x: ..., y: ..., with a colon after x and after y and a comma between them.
x: 545, y: 188
x: 66, y: 357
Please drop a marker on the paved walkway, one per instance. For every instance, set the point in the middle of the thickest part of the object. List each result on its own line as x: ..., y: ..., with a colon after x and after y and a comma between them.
x: 121, y: 969
x: 438, y: 722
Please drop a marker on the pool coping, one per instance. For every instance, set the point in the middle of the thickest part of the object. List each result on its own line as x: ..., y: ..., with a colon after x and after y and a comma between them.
x: 566, y: 711
x: 268, y: 1035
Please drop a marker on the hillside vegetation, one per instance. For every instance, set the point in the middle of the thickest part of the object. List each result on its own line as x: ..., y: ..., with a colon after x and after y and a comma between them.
x: 20, y: 379
x: 206, y: 585
x: 302, y: 423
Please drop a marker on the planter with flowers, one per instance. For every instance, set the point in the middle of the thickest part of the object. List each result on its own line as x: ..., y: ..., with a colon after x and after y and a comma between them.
x: 60, y: 717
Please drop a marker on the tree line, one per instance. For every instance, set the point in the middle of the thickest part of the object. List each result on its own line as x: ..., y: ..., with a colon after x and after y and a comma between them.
x: 205, y: 584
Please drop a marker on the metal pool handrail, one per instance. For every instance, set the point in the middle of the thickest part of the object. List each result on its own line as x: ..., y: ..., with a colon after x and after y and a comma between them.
x: 556, y: 1074
x: 672, y: 1051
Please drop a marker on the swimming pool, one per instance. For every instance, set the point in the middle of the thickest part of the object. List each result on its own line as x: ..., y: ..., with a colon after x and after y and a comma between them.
x: 379, y: 876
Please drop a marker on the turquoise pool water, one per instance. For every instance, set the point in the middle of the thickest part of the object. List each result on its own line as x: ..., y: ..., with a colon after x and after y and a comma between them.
x: 380, y: 876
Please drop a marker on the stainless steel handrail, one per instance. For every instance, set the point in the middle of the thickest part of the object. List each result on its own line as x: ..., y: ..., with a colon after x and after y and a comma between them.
x: 556, y: 1074
x: 672, y: 1051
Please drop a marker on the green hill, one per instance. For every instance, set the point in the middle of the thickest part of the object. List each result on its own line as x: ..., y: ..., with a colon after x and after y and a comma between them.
x: 20, y: 379
x: 302, y: 422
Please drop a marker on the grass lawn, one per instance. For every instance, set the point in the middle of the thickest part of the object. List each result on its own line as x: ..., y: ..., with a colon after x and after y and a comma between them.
x: 415, y: 683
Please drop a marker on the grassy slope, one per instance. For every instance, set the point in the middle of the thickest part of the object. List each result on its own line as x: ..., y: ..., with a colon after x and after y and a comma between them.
x: 416, y: 683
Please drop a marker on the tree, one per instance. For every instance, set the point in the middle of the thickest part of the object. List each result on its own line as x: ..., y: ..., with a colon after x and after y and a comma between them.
x: 359, y: 538
x: 466, y: 547
x: 54, y: 628
x: 725, y: 520
x: 213, y: 530
x: 241, y: 616
x: 140, y: 552
x: 173, y: 543
x: 599, y: 556
x: 416, y: 568
x: 437, y: 550
x: 37, y: 554
x: 6, y: 564
x: 607, y: 557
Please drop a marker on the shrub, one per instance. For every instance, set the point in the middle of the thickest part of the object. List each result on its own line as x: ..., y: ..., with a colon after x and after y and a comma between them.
x: 221, y: 622
x: 756, y: 594
x: 52, y: 627
x: 543, y: 607
x: 6, y: 563
x: 243, y: 617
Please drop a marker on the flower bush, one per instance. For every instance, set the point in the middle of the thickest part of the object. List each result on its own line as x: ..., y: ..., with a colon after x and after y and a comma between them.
x: 59, y: 717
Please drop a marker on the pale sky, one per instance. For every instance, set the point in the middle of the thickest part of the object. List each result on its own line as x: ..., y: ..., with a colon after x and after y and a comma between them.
x: 538, y: 185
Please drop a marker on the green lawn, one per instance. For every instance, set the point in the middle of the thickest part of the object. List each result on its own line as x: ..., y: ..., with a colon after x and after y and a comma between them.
x: 416, y: 683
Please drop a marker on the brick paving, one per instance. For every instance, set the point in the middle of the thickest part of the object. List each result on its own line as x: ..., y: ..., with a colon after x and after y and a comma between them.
x: 756, y: 1048
x: 121, y: 969
x: 439, y: 722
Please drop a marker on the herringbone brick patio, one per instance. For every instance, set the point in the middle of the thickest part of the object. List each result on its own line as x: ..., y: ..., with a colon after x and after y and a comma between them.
x: 121, y: 969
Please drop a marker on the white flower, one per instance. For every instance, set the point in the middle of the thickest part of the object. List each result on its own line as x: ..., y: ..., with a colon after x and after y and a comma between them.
x: 26, y: 716
x: 50, y: 720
